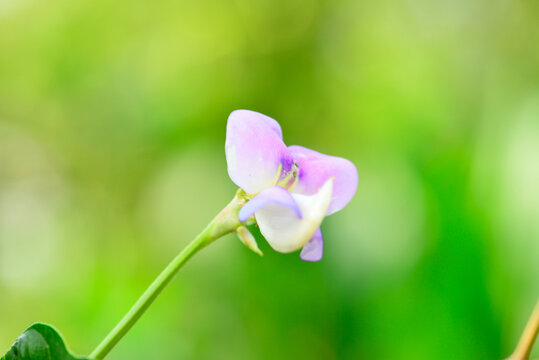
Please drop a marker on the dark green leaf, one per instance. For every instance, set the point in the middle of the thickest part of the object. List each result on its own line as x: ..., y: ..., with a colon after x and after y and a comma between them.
x: 40, y: 342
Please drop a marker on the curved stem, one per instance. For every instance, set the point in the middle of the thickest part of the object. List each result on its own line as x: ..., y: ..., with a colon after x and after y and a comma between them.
x: 525, y: 345
x: 224, y: 223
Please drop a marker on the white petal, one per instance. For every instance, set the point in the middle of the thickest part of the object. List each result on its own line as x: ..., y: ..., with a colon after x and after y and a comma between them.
x: 282, y: 228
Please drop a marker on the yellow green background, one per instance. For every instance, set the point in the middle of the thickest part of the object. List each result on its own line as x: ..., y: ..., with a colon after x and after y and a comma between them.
x: 112, y: 128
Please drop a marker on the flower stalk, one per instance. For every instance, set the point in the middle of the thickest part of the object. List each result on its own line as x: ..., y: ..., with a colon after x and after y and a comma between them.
x: 224, y: 223
x: 527, y: 339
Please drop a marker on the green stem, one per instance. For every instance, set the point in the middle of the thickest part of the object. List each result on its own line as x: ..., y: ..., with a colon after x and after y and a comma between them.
x: 224, y: 223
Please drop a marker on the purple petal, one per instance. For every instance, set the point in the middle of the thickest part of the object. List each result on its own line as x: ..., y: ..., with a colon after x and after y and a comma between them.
x: 315, y: 168
x: 272, y: 195
x: 255, y: 150
x: 312, y: 251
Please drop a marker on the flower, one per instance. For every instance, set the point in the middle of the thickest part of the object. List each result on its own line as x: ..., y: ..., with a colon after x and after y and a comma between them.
x: 290, y: 189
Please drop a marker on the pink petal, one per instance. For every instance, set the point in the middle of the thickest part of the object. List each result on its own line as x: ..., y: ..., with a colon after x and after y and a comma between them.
x: 316, y: 168
x: 255, y: 150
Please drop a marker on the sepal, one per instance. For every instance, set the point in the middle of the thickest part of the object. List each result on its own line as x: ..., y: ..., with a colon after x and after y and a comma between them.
x: 248, y: 240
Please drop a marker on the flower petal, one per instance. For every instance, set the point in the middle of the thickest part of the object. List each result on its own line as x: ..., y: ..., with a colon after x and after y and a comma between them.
x: 316, y: 168
x: 312, y: 251
x: 282, y: 228
x: 255, y: 151
x: 273, y: 195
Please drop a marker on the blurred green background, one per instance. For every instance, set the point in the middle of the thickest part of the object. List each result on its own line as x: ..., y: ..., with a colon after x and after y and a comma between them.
x: 112, y: 128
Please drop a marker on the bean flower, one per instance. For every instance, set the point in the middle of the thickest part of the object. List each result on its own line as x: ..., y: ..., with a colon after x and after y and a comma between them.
x: 287, y: 191
x: 290, y: 189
